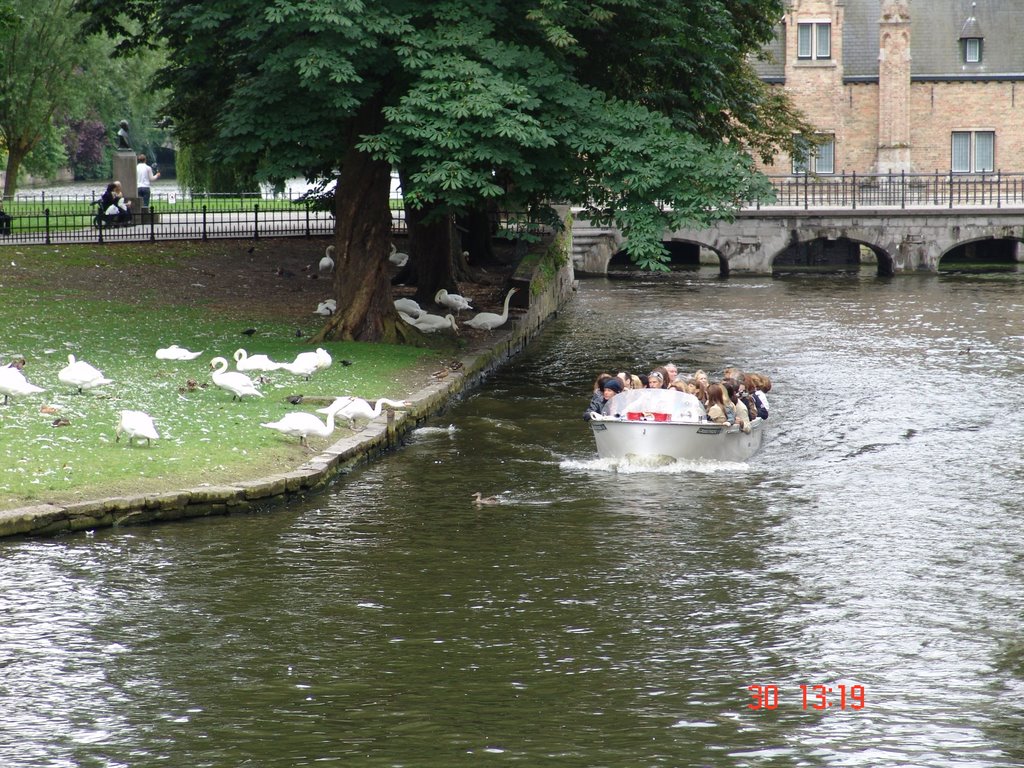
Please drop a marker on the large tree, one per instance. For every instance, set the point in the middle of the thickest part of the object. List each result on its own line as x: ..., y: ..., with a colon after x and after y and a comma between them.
x: 641, y: 111
x: 41, y: 67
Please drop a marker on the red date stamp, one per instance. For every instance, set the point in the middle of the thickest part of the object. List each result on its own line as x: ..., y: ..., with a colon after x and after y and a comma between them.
x: 819, y: 697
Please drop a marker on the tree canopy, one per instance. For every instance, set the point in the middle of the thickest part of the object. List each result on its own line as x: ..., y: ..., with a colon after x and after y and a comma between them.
x: 644, y: 113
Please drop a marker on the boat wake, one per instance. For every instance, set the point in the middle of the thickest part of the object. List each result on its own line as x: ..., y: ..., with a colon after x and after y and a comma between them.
x: 662, y: 465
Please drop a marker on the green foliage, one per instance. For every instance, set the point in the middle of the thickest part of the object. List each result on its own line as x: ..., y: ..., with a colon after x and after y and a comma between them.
x: 641, y: 111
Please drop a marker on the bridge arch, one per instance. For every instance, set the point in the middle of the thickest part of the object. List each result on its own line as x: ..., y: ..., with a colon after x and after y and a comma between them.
x: 901, y: 240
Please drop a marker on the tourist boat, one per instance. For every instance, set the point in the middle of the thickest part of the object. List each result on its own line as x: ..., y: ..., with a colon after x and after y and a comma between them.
x: 650, y: 423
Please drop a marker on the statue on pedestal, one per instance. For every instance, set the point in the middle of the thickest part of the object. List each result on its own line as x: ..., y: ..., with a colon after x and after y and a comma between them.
x: 123, y: 139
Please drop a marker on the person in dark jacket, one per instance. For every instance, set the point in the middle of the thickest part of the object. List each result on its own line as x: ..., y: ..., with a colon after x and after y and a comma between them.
x: 609, y: 388
x: 113, y: 206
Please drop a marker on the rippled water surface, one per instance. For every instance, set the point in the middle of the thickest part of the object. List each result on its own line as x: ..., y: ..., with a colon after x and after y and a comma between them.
x: 598, y: 615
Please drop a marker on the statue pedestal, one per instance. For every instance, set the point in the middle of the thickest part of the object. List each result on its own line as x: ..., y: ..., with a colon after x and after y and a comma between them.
x: 124, y: 171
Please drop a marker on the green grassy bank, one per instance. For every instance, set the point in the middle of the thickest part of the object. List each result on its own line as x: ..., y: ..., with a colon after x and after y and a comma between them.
x: 60, y: 445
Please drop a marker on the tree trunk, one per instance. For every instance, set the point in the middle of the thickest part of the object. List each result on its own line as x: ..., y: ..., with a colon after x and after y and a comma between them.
x: 362, y: 238
x: 433, y: 244
x: 477, y: 228
x: 15, y: 156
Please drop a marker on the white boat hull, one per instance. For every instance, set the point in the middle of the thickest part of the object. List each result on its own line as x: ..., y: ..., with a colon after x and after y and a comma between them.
x: 620, y: 439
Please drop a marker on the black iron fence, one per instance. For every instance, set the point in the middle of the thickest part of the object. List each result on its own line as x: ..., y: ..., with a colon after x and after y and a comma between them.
x: 46, y: 219
x: 78, y: 218
x: 898, y: 190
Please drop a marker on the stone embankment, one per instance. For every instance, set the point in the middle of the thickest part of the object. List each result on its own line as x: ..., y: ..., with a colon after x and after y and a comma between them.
x: 545, y: 280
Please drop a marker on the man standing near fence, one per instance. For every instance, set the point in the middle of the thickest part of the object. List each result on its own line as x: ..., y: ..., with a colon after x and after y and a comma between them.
x: 144, y: 177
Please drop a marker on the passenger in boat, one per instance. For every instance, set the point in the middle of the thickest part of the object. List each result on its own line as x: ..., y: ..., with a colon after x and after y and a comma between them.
x: 635, y: 382
x: 658, y: 378
x: 741, y: 415
x: 672, y: 371
x: 758, y: 385
x: 730, y: 408
x: 600, y: 380
x: 610, y: 387
x: 716, y: 404
x: 700, y: 378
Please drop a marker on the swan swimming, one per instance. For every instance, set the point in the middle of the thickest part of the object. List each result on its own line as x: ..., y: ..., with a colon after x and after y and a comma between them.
x: 353, y: 408
x: 488, y: 321
x: 14, y: 384
x: 174, y: 352
x: 246, y: 362
x: 135, y: 424
x: 238, y: 384
x: 301, y: 425
x: 80, y: 375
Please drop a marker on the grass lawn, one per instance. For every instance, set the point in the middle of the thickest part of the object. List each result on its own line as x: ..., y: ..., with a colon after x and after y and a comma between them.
x: 60, y: 445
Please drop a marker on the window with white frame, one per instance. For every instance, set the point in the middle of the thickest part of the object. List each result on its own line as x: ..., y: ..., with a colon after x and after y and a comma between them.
x: 973, y: 152
x: 818, y: 158
x: 972, y: 50
x: 813, y: 40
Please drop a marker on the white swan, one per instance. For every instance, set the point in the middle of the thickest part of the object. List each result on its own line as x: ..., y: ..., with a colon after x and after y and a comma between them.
x: 135, y: 424
x: 327, y: 262
x: 308, y: 363
x: 238, y: 384
x: 353, y: 408
x: 327, y: 307
x: 246, y: 362
x: 301, y: 425
x: 397, y: 257
x: 409, y: 306
x: 14, y: 384
x: 452, y: 300
x: 432, y: 323
x: 488, y: 321
x: 80, y: 375
x: 174, y: 352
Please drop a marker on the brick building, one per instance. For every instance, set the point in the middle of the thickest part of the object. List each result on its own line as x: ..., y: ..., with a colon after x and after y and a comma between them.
x: 895, y: 85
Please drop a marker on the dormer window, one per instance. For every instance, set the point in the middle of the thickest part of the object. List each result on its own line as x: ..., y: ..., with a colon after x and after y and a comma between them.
x: 813, y: 40
x: 972, y: 50
x: 971, y: 38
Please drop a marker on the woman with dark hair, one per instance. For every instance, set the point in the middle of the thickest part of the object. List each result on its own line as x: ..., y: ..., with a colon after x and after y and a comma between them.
x: 113, y: 207
x: 608, y: 388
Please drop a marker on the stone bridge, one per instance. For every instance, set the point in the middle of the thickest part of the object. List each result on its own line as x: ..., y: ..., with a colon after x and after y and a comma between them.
x: 773, y: 240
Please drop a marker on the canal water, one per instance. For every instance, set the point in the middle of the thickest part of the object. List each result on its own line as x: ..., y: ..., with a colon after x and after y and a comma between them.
x: 599, y: 614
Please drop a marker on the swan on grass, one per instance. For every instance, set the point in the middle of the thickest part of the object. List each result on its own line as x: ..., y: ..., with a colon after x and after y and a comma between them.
x: 135, y: 424
x: 352, y: 408
x: 431, y: 323
x: 327, y: 307
x: 174, y: 352
x: 488, y: 321
x: 238, y: 384
x: 327, y: 262
x: 452, y: 300
x: 14, y: 384
x: 308, y: 363
x: 302, y: 425
x: 82, y: 376
x: 397, y: 258
x: 246, y: 362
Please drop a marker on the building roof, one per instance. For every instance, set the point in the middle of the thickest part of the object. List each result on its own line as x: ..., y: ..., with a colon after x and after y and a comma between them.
x: 936, y: 30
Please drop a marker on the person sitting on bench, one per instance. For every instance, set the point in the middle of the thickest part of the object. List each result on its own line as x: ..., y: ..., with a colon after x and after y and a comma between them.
x: 113, y: 205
